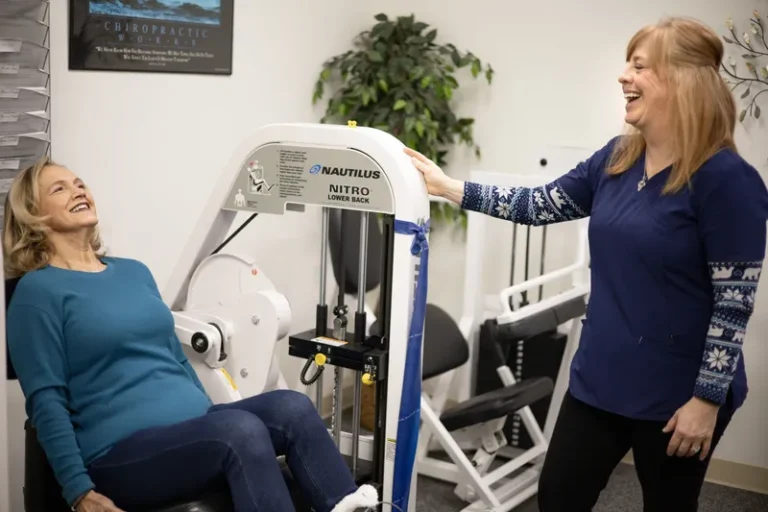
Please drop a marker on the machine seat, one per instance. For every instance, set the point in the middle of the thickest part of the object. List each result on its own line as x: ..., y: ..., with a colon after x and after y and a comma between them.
x: 496, y: 404
x: 545, y: 321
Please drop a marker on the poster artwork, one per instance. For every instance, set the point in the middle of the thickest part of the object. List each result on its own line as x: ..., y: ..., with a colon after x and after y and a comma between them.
x: 162, y: 36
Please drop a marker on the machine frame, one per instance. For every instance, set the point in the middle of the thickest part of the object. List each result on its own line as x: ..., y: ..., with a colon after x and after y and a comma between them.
x: 409, y: 207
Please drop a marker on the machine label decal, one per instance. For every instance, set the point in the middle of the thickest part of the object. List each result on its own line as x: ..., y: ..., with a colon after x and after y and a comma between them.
x: 276, y: 175
x: 352, y: 173
x: 349, y: 194
x: 329, y: 341
x: 389, y: 453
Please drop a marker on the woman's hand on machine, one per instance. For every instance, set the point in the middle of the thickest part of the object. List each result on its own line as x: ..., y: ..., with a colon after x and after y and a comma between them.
x: 95, y: 502
x: 438, y: 184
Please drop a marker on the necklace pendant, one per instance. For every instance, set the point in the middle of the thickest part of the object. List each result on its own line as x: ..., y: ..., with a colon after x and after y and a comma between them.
x: 640, y: 184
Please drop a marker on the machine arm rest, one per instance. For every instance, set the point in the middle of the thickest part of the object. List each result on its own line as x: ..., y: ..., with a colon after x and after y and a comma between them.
x: 204, y: 333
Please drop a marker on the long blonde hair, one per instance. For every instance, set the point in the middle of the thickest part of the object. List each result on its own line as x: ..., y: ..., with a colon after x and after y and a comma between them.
x: 25, y: 240
x: 687, y: 54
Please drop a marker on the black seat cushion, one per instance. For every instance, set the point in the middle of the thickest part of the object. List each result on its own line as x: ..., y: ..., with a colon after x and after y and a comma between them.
x: 498, y: 403
x: 10, y: 286
x: 216, y: 500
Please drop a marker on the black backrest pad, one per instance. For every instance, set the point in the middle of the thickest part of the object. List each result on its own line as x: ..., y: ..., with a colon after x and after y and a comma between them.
x: 351, y: 248
x: 444, y: 346
x: 10, y: 286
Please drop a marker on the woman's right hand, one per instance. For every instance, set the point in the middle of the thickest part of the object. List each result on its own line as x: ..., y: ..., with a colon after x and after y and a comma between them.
x: 438, y: 184
x: 95, y: 502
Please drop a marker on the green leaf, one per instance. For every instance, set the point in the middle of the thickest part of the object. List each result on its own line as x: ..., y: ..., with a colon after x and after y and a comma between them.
x: 448, y: 92
x: 374, y: 56
x: 746, y: 93
x: 381, y: 17
x: 366, y: 97
x: 420, y: 128
x: 742, y: 116
x: 489, y: 74
x: 325, y: 74
x: 727, y: 40
x: 431, y: 35
x: 418, y: 27
x: 383, y: 85
x: 757, y: 111
x: 399, y: 105
x: 425, y: 81
x: 476, y: 67
x: 410, y: 123
x: 749, y: 56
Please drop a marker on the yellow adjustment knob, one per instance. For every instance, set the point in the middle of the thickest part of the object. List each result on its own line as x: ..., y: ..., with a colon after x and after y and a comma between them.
x: 320, y: 359
x: 367, y: 379
x: 351, y: 124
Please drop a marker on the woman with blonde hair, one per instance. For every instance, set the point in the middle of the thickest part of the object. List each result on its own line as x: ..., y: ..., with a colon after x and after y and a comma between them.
x: 119, y: 411
x: 677, y: 240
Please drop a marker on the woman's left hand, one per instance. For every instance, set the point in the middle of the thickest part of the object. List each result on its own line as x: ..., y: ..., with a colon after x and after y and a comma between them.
x: 693, y: 426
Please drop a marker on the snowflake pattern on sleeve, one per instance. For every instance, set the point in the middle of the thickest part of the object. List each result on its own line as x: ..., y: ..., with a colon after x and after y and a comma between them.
x: 734, y: 288
x: 537, y: 206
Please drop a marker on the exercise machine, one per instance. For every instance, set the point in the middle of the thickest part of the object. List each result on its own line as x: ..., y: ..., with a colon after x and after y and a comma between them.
x: 230, y: 318
x: 229, y: 313
x: 499, y: 476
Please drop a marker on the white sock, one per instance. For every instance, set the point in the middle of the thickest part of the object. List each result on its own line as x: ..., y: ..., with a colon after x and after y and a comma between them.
x: 364, y: 497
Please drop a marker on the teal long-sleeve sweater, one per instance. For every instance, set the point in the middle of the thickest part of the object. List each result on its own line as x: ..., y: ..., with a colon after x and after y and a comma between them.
x: 98, y: 359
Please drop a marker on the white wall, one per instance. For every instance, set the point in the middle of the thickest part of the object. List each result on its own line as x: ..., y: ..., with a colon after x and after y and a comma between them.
x: 151, y: 146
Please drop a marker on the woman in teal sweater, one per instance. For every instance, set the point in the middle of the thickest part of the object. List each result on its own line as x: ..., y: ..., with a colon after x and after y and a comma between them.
x: 119, y: 411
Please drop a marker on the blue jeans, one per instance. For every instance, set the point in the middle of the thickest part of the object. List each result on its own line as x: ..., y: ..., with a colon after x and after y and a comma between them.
x: 238, y: 443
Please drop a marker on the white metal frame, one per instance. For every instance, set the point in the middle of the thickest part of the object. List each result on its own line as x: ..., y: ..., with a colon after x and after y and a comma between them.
x: 411, y: 204
x: 474, y: 482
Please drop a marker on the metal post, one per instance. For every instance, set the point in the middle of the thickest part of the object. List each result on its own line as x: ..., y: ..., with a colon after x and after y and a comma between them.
x: 321, y: 301
x: 361, y: 278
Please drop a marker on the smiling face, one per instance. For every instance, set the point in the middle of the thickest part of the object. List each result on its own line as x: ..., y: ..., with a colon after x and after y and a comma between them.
x: 66, y: 201
x: 646, y: 94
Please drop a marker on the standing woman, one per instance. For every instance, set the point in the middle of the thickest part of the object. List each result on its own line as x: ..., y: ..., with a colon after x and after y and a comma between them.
x: 677, y: 239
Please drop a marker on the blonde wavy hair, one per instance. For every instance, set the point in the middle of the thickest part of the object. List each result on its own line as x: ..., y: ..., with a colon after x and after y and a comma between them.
x: 25, y: 232
x: 687, y: 55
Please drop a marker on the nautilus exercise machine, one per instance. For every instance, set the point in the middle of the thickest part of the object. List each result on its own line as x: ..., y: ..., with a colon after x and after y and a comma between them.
x: 228, y: 312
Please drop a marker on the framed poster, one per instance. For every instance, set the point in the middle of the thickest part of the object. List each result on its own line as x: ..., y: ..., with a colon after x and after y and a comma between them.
x: 161, y: 36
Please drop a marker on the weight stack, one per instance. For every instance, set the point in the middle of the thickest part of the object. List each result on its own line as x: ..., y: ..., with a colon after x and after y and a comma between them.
x: 537, y: 356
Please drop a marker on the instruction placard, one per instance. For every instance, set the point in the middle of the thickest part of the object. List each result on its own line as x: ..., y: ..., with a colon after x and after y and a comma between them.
x: 277, y: 174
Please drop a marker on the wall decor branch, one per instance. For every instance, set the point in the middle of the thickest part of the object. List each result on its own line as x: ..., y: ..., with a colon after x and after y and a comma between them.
x: 751, y: 73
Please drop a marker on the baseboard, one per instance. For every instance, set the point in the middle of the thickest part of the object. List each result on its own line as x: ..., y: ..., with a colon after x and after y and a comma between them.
x: 731, y: 474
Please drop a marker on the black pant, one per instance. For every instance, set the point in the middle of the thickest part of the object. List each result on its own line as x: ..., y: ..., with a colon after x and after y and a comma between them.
x: 587, y: 445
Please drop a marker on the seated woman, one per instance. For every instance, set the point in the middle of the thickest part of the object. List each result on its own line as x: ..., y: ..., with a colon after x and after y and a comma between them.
x: 119, y: 411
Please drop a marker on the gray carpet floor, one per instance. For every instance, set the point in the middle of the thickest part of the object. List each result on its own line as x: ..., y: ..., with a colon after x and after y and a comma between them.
x: 622, y: 495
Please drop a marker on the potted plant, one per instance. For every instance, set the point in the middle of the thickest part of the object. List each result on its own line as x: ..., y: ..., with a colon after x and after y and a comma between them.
x: 399, y: 79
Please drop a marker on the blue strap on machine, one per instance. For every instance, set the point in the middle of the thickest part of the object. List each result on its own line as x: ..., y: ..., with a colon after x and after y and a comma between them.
x: 410, y: 400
